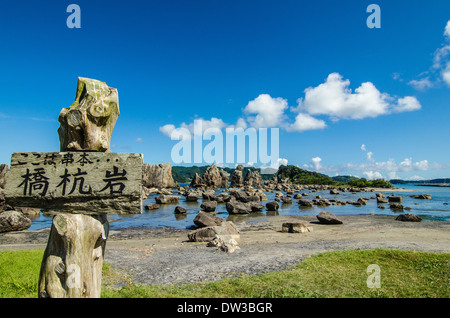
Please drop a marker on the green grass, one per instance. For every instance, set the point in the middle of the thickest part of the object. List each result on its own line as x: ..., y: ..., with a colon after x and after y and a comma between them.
x: 19, y: 273
x: 333, y: 274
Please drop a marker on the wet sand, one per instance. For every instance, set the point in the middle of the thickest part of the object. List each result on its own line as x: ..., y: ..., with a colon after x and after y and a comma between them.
x: 165, y: 256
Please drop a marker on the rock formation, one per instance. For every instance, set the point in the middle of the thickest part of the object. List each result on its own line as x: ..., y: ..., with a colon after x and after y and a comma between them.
x: 158, y: 176
x: 237, y: 179
x: 253, y: 179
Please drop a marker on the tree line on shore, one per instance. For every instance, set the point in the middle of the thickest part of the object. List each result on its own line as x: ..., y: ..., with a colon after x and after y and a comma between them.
x: 287, y: 174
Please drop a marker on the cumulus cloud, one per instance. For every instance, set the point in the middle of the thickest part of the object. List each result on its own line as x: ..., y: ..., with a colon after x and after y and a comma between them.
x: 269, y: 111
x: 334, y: 98
x: 371, y: 175
x: 306, y: 122
x: 407, y: 104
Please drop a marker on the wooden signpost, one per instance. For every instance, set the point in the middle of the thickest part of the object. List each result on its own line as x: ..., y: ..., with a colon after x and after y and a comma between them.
x: 80, y: 185
x: 76, y: 182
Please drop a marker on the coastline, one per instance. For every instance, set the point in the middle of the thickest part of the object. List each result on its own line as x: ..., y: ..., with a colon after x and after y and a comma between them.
x: 165, y: 256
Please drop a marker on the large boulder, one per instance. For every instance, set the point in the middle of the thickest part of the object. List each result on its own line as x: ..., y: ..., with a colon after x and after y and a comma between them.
x: 207, y: 234
x: 158, y: 176
x: 272, y: 206
x: 328, y: 218
x: 206, y: 219
x: 305, y: 203
x: 13, y: 221
x: 234, y: 207
x: 395, y: 199
x: 209, y: 206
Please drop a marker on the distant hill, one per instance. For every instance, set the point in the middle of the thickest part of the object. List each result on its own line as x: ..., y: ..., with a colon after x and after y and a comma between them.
x: 344, y: 179
x: 301, y: 176
x: 400, y: 181
x: 185, y: 174
x: 292, y: 174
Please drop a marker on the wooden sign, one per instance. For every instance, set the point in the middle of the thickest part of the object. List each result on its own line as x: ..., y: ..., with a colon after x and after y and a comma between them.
x: 76, y: 182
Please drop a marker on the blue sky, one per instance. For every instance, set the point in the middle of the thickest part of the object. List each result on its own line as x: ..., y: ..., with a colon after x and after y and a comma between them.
x: 347, y: 99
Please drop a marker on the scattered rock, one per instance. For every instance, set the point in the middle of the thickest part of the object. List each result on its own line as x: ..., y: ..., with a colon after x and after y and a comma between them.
x: 180, y: 209
x: 166, y: 199
x: 396, y: 207
x: 296, y: 227
x: 152, y: 206
x: 408, y: 217
x: 206, y: 234
x: 206, y: 219
x: 234, y: 207
x: 256, y: 207
x: 395, y: 199
x: 226, y: 243
x: 328, y: 218
x: 422, y: 196
x: 272, y: 206
x: 13, y: 221
x: 334, y: 191
x: 209, y: 206
x: 381, y: 200
x: 28, y: 211
x: 305, y: 203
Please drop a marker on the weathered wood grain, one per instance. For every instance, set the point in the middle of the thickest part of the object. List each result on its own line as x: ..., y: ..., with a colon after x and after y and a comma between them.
x: 76, y: 182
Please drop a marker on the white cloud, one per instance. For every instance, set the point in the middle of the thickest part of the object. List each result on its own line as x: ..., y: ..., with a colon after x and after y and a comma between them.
x: 269, y: 111
x: 373, y: 175
x: 189, y: 130
x: 440, y: 69
x: 421, y: 84
x: 139, y: 139
x: 369, y: 155
x: 447, y: 29
x: 446, y: 74
x: 335, y: 99
x: 407, y: 104
x: 316, y: 163
x: 306, y: 122
x: 363, y: 147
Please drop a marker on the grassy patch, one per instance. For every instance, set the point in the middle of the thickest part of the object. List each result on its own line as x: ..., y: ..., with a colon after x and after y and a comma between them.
x: 19, y: 273
x: 333, y: 274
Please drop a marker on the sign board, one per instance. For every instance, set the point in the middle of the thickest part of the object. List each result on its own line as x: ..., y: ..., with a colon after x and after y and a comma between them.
x: 76, y: 182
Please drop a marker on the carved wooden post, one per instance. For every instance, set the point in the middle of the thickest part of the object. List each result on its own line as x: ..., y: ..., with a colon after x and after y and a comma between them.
x: 86, y: 181
x: 73, y: 259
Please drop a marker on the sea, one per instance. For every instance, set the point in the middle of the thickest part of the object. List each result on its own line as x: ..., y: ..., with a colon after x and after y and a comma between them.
x: 436, y: 209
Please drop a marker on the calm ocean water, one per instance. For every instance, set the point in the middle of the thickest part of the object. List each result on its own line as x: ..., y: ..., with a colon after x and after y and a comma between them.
x: 433, y: 209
